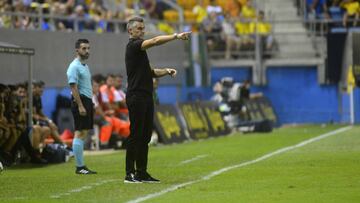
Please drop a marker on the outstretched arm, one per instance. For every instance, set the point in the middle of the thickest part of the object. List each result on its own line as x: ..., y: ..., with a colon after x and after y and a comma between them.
x: 157, y: 72
x: 159, y: 40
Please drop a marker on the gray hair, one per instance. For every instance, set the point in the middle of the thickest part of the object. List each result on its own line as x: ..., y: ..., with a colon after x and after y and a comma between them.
x: 132, y: 22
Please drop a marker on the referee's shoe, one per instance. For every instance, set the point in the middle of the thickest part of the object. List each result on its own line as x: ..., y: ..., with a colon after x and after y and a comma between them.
x: 84, y: 170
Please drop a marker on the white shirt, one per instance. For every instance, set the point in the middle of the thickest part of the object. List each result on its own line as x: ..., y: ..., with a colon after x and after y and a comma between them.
x: 216, y: 9
x: 119, y: 96
x: 104, y: 97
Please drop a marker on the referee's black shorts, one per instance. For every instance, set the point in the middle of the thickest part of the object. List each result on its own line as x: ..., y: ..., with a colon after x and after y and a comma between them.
x: 83, y: 122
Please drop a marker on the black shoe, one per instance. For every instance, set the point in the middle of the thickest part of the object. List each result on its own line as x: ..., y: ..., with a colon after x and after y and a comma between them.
x: 38, y: 160
x: 130, y: 178
x: 146, y: 178
x: 84, y: 170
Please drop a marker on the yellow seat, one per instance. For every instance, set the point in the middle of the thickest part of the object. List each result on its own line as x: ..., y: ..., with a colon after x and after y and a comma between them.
x: 222, y: 4
x: 190, y: 4
x: 181, y: 3
x: 171, y: 16
x: 129, y: 3
x: 205, y: 3
x: 242, y: 2
x: 186, y: 4
x: 189, y: 16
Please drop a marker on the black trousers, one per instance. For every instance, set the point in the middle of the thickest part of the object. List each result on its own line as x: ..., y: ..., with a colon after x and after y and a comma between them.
x: 141, y: 114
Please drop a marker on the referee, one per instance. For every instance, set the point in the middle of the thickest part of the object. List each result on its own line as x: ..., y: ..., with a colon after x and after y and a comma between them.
x: 79, y: 79
x: 139, y: 97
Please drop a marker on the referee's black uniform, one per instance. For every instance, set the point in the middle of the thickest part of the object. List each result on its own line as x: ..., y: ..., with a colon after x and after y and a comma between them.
x: 140, y: 103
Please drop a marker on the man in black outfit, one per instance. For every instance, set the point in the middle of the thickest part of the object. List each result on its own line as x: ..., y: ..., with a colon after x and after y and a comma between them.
x: 139, y: 97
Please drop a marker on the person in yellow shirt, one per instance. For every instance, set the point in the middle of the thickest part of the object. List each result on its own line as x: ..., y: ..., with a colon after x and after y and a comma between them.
x: 352, y: 8
x: 200, y: 13
x: 248, y: 13
x: 264, y: 29
x: 248, y: 10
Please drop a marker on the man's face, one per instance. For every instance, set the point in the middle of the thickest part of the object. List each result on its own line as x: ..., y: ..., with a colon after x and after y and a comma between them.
x: 213, y: 16
x: 118, y: 82
x: 21, y: 92
x: 37, y: 90
x: 261, y: 17
x: 95, y: 87
x: 110, y: 81
x: 83, y: 51
x: 138, y: 30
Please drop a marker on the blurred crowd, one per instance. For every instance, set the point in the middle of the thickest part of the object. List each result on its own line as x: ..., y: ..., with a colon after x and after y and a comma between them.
x: 61, y: 15
x: 345, y: 11
x: 20, y: 142
x: 228, y: 25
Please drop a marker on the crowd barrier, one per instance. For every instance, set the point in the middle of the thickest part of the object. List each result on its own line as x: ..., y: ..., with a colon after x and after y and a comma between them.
x: 203, y: 119
x: 259, y: 109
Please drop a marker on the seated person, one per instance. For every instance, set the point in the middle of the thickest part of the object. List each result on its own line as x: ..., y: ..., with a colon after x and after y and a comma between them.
x: 317, y: 9
x: 213, y: 7
x: 4, y: 125
x: 352, y: 8
x: 120, y: 98
x: 108, y: 123
x: 212, y: 28
x: 107, y: 97
x: 200, y: 13
x: 13, y: 117
x: 247, y: 15
x: 14, y: 133
x: 232, y: 41
x: 48, y: 127
x: 264, y: 29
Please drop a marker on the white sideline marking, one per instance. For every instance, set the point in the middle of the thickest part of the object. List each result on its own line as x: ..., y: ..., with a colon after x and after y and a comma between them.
x: 83, y: 188
x: 223, y: 170
x: 193, y: 159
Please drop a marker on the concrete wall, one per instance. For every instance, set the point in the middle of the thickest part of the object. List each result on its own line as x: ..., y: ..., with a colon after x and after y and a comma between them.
x: 55, y: 50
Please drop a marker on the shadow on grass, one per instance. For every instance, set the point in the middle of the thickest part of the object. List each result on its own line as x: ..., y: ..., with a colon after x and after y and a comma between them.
x: 28, y: 166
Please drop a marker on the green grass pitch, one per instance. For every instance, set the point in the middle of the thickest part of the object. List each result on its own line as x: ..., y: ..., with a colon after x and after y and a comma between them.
x: 327, y: 170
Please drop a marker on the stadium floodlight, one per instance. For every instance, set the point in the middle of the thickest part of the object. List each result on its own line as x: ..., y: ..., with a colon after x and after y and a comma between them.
x: 7, y: 48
